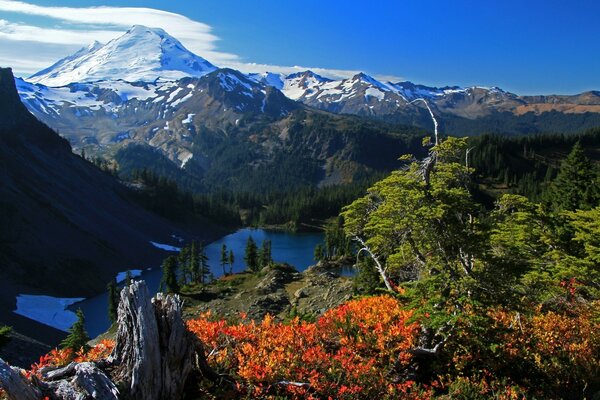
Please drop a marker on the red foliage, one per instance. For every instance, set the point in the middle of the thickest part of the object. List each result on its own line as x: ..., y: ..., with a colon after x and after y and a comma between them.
x: 349, y: 353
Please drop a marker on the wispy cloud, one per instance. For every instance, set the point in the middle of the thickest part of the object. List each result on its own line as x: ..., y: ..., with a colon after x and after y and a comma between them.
x: 76, y: 27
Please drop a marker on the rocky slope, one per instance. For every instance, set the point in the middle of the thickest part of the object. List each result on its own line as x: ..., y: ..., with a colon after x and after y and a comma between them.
x: 280, y: 291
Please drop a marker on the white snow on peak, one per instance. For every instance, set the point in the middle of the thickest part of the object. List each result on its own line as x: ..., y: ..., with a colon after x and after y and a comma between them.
x: 141, y: 54
x: 303, y: 84
x: 51, y: 311
x: 269, y: 79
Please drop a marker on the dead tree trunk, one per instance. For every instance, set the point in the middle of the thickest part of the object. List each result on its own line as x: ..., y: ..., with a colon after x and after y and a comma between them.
x: 152, y: 358
x: 16, y: 386
x: 153, y: 353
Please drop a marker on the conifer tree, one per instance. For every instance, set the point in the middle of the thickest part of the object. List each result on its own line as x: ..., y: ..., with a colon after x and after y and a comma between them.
x: 319, y: 252
x: 231, y: 261
x: 78, y: 337
x: 251, y: 255
x: 224, y: 258
x: 203, y: 273
x: 265, y: 256
x: 113, y: 300
x: 183, y: 262
x: 169, y: 279
x: 193, y: 268
x: 576, y: 184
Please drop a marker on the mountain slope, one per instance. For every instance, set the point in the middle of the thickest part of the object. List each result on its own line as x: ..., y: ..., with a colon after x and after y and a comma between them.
x: 141, y: 54
x: 66, y: 227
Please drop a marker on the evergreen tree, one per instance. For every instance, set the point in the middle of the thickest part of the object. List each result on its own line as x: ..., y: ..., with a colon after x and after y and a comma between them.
x: 231, y: 261
x: 169, y: 279
x: 224, y: 258
x: 576, y: 184
x: 203, y: 274
x: 113, y: 300
x: 366, y: 281
x: 193, y: 267
x: 265, y: 255
x: 251, y: 255
x: 319, y: 252
x: 78, y: 337
x: 183, y: 262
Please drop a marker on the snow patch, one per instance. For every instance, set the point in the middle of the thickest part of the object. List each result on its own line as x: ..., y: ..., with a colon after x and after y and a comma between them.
x: 47, y: 310
x: 185, y: 160
x: 165, y: 247
x: 188, y: 119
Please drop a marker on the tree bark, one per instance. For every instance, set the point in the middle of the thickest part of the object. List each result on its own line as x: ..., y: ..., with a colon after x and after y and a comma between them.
x: 16, y: 386
x: 153, y: 351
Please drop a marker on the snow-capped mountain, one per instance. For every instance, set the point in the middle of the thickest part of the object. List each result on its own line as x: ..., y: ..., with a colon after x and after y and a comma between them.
x: 146, y: 88
x: 166, y: 115
x: 142, y: 54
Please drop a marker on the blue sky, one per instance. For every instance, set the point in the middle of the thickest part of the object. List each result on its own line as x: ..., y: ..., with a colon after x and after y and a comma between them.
x: 527, y: 47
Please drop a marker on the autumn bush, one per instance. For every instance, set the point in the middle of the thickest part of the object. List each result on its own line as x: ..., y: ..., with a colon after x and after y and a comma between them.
x: 353, y: 351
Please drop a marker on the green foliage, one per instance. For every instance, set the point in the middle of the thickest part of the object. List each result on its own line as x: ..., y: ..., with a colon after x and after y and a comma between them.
x: 5, y: 332
x: 231, y: 260
x: 78, y: 337
x: 366, y: 281
x: 319, y: 254
x: 113, y: 300
x: 527, y: 164
x: 265, y: 257
x: 224, y: 258
x: 251, y: 256
x: 169, y: 282
x: 577, y: 185
x: 452, y: 257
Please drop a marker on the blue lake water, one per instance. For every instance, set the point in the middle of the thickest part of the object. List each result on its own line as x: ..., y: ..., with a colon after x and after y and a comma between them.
x: 296, y: 249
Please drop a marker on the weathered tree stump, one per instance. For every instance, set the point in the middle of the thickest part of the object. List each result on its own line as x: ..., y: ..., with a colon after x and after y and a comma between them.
x: 16, y: 386
x: 153, y: 351
x: 153, y: 356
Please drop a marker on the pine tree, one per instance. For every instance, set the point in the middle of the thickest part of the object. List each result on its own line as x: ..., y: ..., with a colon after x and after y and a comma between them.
x: 78, y: 337
x: 265, y: 256
x: 183, y: 262
x: 231, y: 261
x: 113, y: 300
x: 576, y: 184
x: 169, y: 279
x: 251, y: 255
x: 193, y: 269
x: 224, y: 258
x: 203, y: 273
x: 319, y: 252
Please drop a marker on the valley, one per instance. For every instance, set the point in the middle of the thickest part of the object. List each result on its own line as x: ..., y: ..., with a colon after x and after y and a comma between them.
x: 288, y: 232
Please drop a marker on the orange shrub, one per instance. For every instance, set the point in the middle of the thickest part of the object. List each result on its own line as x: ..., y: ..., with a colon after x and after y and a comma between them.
x: 557, y: 350
x: 349, y: 353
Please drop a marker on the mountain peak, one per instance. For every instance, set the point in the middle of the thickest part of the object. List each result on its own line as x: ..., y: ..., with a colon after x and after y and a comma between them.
x: 140, y: 54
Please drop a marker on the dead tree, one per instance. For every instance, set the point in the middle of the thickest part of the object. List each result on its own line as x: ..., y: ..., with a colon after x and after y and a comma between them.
x: 152, y: 359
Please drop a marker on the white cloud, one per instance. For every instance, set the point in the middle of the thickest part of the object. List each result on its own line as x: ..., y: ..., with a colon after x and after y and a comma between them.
x: 29, y: 33
x: 106, y: 23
